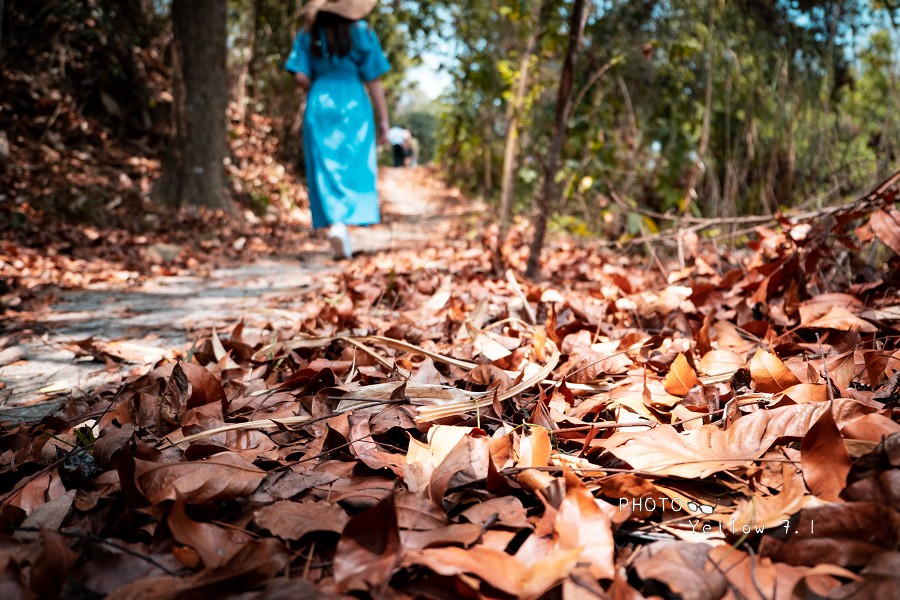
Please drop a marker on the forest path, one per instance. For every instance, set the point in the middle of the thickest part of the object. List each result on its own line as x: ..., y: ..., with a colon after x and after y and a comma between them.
x: 132, y: 328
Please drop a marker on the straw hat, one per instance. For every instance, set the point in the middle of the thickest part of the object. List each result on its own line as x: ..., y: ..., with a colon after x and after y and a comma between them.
x: 349, y: 9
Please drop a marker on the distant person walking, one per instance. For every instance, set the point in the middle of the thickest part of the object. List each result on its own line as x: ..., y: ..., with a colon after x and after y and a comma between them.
x: 334, y: 55
x: 397, y: 139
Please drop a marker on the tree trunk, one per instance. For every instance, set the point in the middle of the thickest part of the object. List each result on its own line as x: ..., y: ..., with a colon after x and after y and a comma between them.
x: 508, y: 177
x: 2, y: 6
x: 690, y: 194
x: 193, y: 171
x: 551, y: 190
x: 242, y: 91
x: 488, y: 168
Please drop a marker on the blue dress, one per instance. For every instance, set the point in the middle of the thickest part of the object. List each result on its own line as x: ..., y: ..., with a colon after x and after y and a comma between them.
x: 339, y: 128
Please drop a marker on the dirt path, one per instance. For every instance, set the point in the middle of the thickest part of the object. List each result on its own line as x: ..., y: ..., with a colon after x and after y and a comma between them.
x: 163, y: 316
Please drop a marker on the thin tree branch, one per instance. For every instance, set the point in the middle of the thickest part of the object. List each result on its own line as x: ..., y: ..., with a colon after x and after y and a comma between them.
x: 99, y: 540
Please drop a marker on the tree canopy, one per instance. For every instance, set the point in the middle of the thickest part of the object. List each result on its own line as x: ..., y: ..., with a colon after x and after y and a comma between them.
x: 742, y: 107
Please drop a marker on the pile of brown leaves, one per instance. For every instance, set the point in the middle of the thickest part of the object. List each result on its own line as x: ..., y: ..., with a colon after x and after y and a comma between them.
x: 84, y: 122
x: 427, y: 429
x: 106, y: 245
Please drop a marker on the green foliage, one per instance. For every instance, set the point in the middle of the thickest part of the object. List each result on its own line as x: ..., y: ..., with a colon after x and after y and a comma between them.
x: 803, y: 101
x: 803, y: 94
x: 259, y: 202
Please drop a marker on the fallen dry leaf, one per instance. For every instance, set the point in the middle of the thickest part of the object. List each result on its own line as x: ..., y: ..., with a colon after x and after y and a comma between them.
x: 770, y: 374
x: 369, y: 549
x: 886, y: 226
x: 683, y: 568
x: 215, y: 545
x: 223, y: 476
x: 292, y: 520
x: 701, y: 452
x: 681, y: 377
x: 411, y: 424
x: 824, y: 459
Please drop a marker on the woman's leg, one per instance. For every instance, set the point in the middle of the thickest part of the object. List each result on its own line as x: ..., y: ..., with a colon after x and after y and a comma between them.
x: 339, y: 237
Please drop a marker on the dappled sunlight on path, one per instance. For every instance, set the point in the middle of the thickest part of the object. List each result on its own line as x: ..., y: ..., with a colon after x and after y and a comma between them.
x: 416, y: 206
x: 90, y: 338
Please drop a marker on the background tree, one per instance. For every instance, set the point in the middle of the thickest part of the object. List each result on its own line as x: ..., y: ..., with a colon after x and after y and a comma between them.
x: 514, y: 114
x: 551, y: 189
x: 752, y: 106
x: 193, y: 169
x: 247, y: 19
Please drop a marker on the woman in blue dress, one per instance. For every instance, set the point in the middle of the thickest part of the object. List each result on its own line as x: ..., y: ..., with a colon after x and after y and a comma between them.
x: 335, y: 59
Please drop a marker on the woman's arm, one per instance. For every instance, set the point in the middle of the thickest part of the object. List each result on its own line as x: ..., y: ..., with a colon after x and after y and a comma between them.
x: 376, y: 91
x: 303, y: 81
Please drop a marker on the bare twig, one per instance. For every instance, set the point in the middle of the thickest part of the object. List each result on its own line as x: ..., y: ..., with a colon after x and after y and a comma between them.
x: 825, y: 368
x: 753, y: 578
x: 99, y: 540
x: 611, y: 425
x: 274, y: 423
x: 699, y: 223
x: 594, y: 78
x: 433, y: 413
x: 517, y: 290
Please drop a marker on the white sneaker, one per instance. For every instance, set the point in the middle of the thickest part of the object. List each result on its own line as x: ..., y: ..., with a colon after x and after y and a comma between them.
x: 340, y: 241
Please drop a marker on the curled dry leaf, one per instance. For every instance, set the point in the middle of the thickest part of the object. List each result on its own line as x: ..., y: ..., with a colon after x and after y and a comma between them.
x: 497, y: 568
x: 369, y: 550
x: 681, y: 377
x: 886, y: 226
x: 463, y: 534
x: 880, y: 579
x: 807, y: 392
x: 846, y: 534
x: 52, y: 565
x: 583, y: 524
x: 466, y: 463
x: 362, y: 446
x: 684, y: 568
x: 578, y: 532
x: 223, y: 476
x: 770, y: 374
x: 257, y: 561
x: 104, y: 574
x: 760, y: 511
x: 416, y: 512
x: 534, y: 451
x: 631, y: 491
x: 205, y: 388
x: 873, y: 427
x: 752, y: 576
x: 719, y: 363
x: 833, y: 317
x: 173, y: 400
x: 215, y: 545
x: 490, y: 376
x: 292, y: 520
x: 825, y: 459
x: 588, y: 360
x: 506, y: 511
x: 707, y: 450
x: 425, y: 463
x: 49, y: 516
